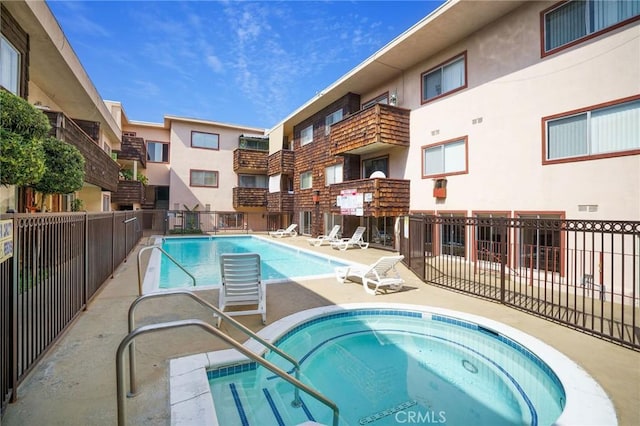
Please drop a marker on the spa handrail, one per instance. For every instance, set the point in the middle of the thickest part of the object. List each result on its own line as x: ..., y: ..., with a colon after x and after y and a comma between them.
x: 156, y: 246
x: 236, y: 324
x: 227, y: 339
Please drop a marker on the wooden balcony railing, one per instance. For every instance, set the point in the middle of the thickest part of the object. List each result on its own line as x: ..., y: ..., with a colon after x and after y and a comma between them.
x: 249, y: 161
x: 389, y: 197
x: 370, y: 129
x: 249, y: 197
x: 281, y: 163
x: 133, y: 148
x: 280, y: 202
x: 129, y: 192
x: 99, y: 168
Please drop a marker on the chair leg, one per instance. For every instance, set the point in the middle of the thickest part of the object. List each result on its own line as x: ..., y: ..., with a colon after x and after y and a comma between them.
x: 365, y: 285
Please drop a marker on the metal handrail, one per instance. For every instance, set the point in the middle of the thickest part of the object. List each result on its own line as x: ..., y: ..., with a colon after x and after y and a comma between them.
x: 227, y: 339
x: 155, y: 246
x: 218, y: 312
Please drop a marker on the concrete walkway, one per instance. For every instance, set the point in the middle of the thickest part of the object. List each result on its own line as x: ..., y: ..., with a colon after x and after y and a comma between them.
x: 75, y: 384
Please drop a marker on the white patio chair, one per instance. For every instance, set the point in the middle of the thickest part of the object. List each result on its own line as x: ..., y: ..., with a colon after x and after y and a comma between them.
x: 381, y: 274
x: 325, y: 239
x: 355, y: 240
x: 289, y: 232
x: 242, y: 285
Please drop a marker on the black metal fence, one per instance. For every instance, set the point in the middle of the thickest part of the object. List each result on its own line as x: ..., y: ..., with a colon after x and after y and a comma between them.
x: 583, y: 274
x: 58, y: 263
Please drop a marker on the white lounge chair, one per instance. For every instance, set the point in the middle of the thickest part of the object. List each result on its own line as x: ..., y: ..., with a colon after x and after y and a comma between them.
x: 355, y: 240
x: 382, y: 273
x: 242, y: 284
x: 289, y: 232
x: 325, y: 239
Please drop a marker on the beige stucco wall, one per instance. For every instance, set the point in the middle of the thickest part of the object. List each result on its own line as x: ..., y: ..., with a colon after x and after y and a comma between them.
x: 511, y: 88
x: 156, y: 173
x: 275, y: 139
x: 185, y: 158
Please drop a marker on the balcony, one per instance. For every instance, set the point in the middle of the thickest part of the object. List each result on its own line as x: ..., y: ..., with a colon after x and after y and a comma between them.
x: 372, y: 129
x: 249, y: 161
x: 133, y: 149
x: 281, y: 163
x: 389, y: 197
x: 99, y: 168
x: 280, y: 202
x: 249, y: 197
x: 129, y: 192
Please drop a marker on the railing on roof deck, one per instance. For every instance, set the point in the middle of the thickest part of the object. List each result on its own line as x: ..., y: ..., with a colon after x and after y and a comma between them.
x: 581, y: 273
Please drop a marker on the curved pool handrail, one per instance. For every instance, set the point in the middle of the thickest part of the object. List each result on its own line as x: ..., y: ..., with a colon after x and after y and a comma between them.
x: 217, y: 311
x: 122, y: 417
x: 163, y: 251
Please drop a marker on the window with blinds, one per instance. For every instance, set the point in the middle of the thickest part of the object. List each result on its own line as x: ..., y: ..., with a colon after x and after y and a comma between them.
x: 446, y: 158
x: 445, y: 78
x: 605, y: 131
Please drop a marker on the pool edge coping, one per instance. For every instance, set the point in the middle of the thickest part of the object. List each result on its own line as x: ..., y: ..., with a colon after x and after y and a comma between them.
x: 586, y: 401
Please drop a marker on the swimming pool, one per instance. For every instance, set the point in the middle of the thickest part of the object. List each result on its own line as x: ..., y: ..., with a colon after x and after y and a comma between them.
x: 200, y: 256
x: 390, y: 364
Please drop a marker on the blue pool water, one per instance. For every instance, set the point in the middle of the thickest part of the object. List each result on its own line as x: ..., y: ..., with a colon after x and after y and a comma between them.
x: 390, y: 367
x: 201, y: 257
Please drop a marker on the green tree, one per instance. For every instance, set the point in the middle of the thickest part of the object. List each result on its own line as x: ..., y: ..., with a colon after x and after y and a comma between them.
x: 22, y: 129
x: 64, y: 169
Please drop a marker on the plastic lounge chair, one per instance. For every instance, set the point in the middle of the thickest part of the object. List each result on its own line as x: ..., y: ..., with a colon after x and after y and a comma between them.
x: 355, y: 240
x: 242, y: 285
x: 289, y: 232
x: 382, y: 273
x: 325, y: 239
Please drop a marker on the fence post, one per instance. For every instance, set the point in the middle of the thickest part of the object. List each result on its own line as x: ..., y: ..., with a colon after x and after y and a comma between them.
x: 14, y: 313
x: 503, y: 260
x: 113, y: 243
x: 85, y: 286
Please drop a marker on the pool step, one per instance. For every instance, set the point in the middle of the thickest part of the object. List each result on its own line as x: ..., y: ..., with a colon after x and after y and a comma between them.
x: 259, y: 406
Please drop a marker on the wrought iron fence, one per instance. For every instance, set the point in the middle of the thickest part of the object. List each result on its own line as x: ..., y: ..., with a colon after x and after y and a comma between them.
x: 583, y: 274
x: 58, y: 263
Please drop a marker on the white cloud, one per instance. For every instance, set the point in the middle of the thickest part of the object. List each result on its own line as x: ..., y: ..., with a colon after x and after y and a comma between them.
x: 214, y: 63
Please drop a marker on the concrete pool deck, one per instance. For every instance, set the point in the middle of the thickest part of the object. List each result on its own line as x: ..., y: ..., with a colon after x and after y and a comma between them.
x: 75, y: 383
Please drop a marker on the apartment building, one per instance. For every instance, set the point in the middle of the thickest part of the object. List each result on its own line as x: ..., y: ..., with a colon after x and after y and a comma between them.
x: 518, y: 109
x: 198, y: 165
x: 37, y: 67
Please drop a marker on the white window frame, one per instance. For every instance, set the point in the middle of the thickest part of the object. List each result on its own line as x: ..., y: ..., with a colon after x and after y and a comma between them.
x: 10, y: 66
x: 306, y: 176
x: 333, y: 174
x: 306, y: 135
x: 450, y: 80
x: 334, y: 117
x: 594, y: 132
x: 446, y: 150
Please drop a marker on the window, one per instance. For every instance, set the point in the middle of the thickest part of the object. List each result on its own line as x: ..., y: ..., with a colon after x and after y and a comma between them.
x: 231, y: 220
x: 129, y: 134
x: 306, y: 180
x: 333, y: 174
x: 306, y: 135
x: 380, y: 164
x: 444, y: 79
x: 9, y: 67
x: 306, y: 220
x: 599, y: 132
x: 452, y: 234
x: 254, y: 143
x: 207, y: 178
x: 446, y: 158
x: 382, y: 99
x: 253, y: 181
x: 205, y: 140
x: 157, y: 152
x: 576, y: 20
x: 540, y: 246
x: 330, y: 119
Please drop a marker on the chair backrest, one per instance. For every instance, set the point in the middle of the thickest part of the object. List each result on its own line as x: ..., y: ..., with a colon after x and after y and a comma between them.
x: 385, y: 264
x: 357, y: 235
x: 291, y: 227
x: 334, y: 232
x: 241, y: 275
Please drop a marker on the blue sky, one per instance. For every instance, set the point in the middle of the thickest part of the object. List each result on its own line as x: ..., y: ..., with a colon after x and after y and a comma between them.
x: 239, y: 62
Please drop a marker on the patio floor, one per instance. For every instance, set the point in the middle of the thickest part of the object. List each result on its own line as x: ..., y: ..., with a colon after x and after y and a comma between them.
x: 75, y: 383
